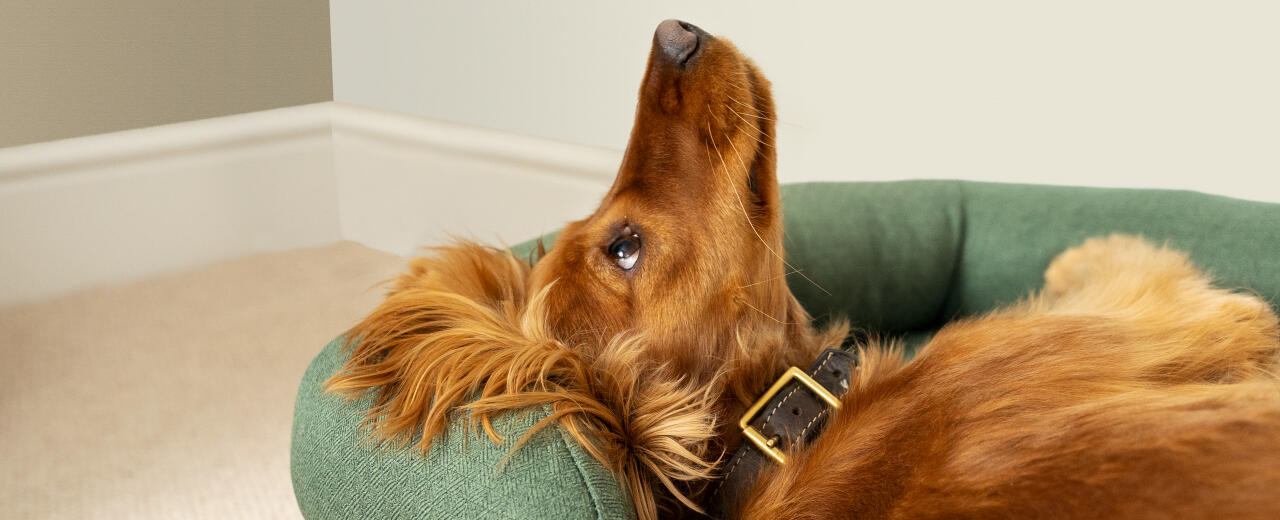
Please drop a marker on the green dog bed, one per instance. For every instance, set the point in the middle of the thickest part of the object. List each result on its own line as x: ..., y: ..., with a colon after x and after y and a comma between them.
x: 897, y: 257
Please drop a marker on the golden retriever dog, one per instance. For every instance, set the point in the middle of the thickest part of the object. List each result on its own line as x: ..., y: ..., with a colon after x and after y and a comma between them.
x: 1128, y: 387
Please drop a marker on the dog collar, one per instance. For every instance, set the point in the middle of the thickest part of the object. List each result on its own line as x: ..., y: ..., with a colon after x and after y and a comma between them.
x: 793, y: 411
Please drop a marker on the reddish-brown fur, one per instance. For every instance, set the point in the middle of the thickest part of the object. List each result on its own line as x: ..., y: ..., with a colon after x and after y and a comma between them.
x: 1128, y: 387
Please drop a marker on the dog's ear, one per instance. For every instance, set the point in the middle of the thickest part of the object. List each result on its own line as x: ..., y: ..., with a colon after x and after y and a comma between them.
x: 753, y: 182
x: 762, y: 182
x: 539, y: 251
x: 447, y: 328
x: 763, y: 171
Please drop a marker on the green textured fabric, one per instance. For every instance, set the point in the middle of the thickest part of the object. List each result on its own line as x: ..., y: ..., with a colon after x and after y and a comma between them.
x: 904, y: 257
x: 898, y: 258
x: 883, y: 252
x: 1013, y: 231
x: 338, y: 475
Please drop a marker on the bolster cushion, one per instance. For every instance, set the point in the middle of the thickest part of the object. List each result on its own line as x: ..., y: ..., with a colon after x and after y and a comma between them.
x: 893, y: 257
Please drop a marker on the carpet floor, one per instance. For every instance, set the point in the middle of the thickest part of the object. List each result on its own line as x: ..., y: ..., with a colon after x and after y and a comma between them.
x: 171, y: 397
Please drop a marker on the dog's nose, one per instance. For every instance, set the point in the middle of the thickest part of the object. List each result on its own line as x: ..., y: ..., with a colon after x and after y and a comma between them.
x: 678, y: 40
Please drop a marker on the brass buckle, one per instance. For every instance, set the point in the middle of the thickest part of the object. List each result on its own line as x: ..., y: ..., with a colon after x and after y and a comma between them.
x: 769, y: 446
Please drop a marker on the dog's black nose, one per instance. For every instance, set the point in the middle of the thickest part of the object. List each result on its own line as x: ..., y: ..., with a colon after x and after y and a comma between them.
x: 678, y: 40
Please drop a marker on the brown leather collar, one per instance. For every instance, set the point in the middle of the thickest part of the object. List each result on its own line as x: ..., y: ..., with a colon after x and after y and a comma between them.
x: 793, y: 412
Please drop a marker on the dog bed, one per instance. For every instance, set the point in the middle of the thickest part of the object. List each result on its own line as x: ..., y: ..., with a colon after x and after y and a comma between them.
x: 897, y: 258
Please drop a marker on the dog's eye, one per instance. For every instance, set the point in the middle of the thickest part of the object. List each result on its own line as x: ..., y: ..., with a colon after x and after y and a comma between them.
x: 625, y: 249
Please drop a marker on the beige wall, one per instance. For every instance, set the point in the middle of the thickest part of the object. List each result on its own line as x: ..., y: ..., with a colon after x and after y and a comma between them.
x: 77, y: 67
x: 1145, y: 93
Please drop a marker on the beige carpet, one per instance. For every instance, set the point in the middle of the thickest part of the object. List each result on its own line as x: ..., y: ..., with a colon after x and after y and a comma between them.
x: 171, y: 397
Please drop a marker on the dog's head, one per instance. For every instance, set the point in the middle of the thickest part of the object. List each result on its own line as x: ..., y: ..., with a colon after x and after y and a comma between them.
x: 647, y: 327
x: 687, y: 244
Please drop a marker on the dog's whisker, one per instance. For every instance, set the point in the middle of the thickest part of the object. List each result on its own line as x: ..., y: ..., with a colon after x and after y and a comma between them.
x: 753, y: 136
x: 767, y: 315
x: 744, y: 120
x: 735, y: 100
x: 783, y: 275
x: 746, y: 214
x: 758, y: 116
x: 756, y: 139
x: 758, y: 130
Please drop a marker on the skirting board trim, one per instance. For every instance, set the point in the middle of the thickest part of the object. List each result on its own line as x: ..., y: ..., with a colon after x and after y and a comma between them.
x: 590, y: 163
x: 96, y: 151
x: 103, y: 209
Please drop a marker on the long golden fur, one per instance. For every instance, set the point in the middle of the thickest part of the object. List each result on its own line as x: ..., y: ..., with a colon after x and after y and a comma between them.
x: 1128, y: 387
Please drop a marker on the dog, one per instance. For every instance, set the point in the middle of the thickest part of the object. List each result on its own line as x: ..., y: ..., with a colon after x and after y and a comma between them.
x: 1127, y: 387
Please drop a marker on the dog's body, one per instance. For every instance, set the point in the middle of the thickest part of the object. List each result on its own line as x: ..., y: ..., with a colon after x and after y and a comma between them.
x: 1128, y: 387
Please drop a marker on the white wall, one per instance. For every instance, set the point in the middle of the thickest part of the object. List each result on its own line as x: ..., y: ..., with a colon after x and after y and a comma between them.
x: 1156, y: 93
x: 405, y: 182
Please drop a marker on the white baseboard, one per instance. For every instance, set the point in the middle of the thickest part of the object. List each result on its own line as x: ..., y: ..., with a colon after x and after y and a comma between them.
x: 110, y: 208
